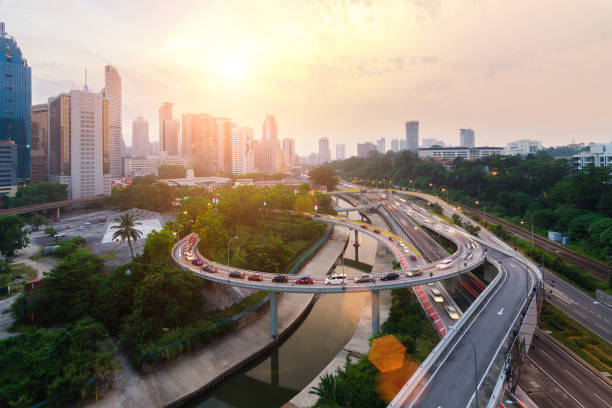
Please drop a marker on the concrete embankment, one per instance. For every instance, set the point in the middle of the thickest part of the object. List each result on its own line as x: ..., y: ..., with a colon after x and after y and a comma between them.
x: 195, y: 372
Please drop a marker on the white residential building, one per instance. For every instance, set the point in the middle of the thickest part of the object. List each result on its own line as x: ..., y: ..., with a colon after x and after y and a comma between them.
x: 449, y: 153
x: 381, y: 145
x: 87, y: 178
x: 523, y: 147
x: 289, y: 153
x: 324, y: 151
x: 140, y: 137
x: 171, y: 137
x: 599, y: 155
x: 243, y: 154
x: 340, y: 151
x: 112, y: 92
x: 467, y: 138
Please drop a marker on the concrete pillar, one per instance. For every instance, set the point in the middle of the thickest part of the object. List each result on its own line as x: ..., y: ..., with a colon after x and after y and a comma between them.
x: 356, y: 245
x: 337, y: 201
x: 57, y: 213
x: 274, y: 315
x: 347, y: 215
x: 375, y: 312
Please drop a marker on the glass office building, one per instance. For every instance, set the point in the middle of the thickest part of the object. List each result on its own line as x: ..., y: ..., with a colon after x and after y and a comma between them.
x: 15, y: 102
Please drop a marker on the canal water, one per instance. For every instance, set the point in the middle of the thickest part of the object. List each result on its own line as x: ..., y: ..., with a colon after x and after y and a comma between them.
x: 274, y: 380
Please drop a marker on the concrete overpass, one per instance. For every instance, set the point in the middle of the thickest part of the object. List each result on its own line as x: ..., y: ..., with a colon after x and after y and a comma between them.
x: 48, y: 206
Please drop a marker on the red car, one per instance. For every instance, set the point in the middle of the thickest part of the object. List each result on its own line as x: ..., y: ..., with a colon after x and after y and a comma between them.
x: 191, y: 240
x: 304, y: 280
x: 364, y: 227
x: 256, y: 277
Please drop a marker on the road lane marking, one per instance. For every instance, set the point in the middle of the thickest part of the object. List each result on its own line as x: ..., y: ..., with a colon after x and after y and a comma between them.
x: 602, y: 328
x: 501, y: 312
x: 602, y: 400
x: 555, y: 381
x: 572, y: 375
x: 542, y: 350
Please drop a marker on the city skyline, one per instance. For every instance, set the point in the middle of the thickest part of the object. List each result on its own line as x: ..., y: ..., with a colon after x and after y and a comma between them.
x: 480, y: 92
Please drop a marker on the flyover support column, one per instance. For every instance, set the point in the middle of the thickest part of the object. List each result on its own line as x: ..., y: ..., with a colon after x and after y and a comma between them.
x: 274, y: 315
x: 337, y: 201
x: 356, y: 245
x: 375, y: 312
x: 57, y: 213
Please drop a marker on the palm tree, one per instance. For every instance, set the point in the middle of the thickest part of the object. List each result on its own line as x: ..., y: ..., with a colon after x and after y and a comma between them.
x: 124, y: 224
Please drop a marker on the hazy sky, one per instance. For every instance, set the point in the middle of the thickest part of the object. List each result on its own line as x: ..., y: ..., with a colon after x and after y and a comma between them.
x: 349, y: 70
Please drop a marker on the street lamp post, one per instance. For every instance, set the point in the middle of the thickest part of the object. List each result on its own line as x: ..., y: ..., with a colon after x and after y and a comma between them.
x: 228, y: 250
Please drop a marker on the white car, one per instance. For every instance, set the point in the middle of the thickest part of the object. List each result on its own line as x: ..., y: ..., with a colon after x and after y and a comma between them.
x: 436, y: 295
x: 444, y: 266
x: 59, y: 235
x: 335, y: 280
x: 190, y: 257
x: 452, y: 312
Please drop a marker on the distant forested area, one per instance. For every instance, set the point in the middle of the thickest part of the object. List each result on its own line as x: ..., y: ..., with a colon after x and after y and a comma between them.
x: 538, y: 189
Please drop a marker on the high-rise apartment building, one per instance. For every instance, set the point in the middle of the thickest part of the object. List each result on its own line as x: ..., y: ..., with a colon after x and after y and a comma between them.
x: 288, y: 153
x: 171, y: 137
x: 201, y: 140
x: 243, y: 155
x: 8, y: 168
x: 395, y: 146
x: 165, y: 113
x: 403, y: 145
x: 340, y: 151
x: 365, y: 149
x: 224, y: 143
x: 79, y: 143
x: 112, y: 92
x: 267, y: 156
x: 381, y: 145
x: 140, y: 137
x: 269, y: 128
x: 412, y: 136
x: 467, y: 138
x: 523, y: 147
x: 324, y: 152
x: 15, y: 102
x: 39, y: 142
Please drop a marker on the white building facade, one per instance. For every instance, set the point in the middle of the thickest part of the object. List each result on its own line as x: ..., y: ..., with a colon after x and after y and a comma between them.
x: 140, y: 137
x: 112, y: 92
x: 599, y: 155
x: 449, y: 153
x: 523, y: 147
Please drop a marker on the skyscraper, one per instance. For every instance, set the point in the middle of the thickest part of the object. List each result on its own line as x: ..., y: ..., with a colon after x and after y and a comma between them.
x: 412, y: 136
x: 171, y: 137
x: 269, y: 128
x: 15, y: 102
x: 340, y: 152
x: 324, y: 152
x: 8, y: 168
x: 224, y: 143
x: 365, y: 149
x: 467, y: 138
x: 395, y: 146
x: 112, y: 92
x: 39, y: 142
x: 79, y: 143
x: 381, y: 145
x: 140, y: 137
x: 165, y: 113
x: 288, y: 153
x: 403, y: 144
x: 200, y: 140
x: 243, y: 155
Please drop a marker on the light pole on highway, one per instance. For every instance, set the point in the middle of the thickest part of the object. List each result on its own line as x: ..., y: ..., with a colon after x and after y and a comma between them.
x: 443, y: 190
x: 228, y: 250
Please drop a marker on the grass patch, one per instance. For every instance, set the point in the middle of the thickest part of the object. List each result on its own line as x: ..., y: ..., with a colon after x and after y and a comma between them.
x: 448, y: 245
x: 358, y: 265
x: 590, y: 347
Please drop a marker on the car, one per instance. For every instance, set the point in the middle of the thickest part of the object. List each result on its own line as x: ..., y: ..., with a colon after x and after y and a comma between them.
x: 80, y: 228
x: 190, y: 257
x: 468, y: 256
x: 207, y: 268
x: 316, y: 215
x: 256, y: 277
x: 376, y: 231
x: 444, y: 266
x: 363, y: 278
x: 414, y: 272
x: 197, y: 262
x: 412, y: 258
x: 335, y: 280
x: 391, y: 239
x: 436, y: 295
x: 452, y: 312
x: 192, y: 239
x: 304, y: 280
x: 364, y: 227
x: 390, y: 276
x: 59, y: 235
x: 188, y: 247
x: 236, y: 274
x: 280, y: 278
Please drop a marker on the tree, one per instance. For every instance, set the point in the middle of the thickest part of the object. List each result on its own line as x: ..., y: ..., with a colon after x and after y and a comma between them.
x: 14, y: 236
x: 270, y: 256
x: 124, y: 228
x: 213, y: 237
x: 37, y: 220
x: 304, y: 204
x: 158, y: 247
x: 49, y: 230
x: 324, y: 176
x: 43, y: 192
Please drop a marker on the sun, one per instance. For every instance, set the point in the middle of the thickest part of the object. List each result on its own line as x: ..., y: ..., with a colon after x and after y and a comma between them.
x: 233, y: 70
